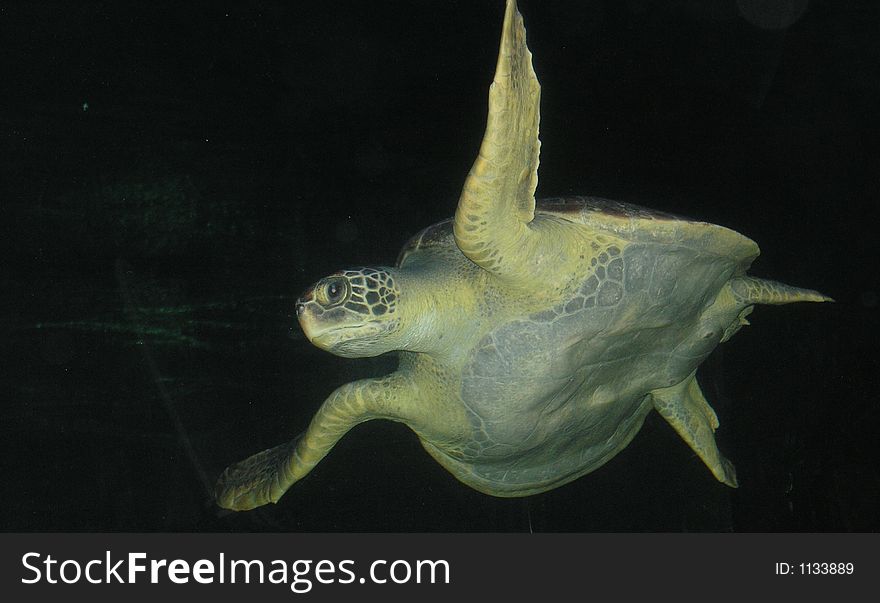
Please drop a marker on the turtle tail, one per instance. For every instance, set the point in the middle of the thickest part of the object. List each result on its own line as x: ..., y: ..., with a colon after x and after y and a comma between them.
x: 750, y: 290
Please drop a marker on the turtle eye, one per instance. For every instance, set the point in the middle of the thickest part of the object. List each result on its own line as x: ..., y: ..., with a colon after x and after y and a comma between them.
x: 334, y: 292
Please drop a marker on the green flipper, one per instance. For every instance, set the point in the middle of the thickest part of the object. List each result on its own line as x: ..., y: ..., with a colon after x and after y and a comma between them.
x: 257, y: 480
x: 267, y: 475
x: 498, y: 198
x: 686, y: 409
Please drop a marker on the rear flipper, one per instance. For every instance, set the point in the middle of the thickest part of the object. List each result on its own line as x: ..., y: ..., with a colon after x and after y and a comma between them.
x: 686, y: 409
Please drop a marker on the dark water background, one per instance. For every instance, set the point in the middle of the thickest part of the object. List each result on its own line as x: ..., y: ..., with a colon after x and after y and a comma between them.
x: 172, y: 176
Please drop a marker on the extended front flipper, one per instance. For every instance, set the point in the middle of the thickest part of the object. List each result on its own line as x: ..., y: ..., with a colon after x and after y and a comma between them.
x: 686, y: 409
x: 498, y: 199
x: 266, y: 476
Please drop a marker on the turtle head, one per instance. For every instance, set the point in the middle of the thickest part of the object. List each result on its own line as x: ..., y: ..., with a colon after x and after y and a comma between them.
x: 352, y: 313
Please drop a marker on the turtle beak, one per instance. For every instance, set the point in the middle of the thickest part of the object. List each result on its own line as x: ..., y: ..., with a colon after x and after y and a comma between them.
x: 305, y: 311
x: 314, y: 320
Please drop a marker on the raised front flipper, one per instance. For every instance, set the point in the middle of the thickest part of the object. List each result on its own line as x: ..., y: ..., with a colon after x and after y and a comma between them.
x: 686, y: 409
x: 498, y: 199
x: 266, y: 476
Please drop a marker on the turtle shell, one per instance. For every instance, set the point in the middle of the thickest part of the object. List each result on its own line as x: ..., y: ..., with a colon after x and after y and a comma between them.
x: 552, y: 392
x: 625, y: 220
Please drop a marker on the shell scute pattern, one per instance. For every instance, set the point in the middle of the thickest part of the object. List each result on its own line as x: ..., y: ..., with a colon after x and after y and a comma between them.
x: 604, y: 287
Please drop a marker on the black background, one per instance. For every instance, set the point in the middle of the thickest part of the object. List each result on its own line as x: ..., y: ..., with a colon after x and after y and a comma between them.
x: 174, y: 174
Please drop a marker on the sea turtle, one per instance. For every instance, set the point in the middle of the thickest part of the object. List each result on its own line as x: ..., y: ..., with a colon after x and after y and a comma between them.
x: 533, y: 338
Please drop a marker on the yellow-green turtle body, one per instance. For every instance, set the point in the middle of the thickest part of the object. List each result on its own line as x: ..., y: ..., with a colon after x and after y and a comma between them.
x: 533, y: 338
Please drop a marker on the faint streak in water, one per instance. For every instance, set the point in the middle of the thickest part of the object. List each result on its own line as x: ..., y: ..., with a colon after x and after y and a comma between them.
x: 529, y: 514
x: 174, y: 322
x: 165, y: 396
x: 140, y: 331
